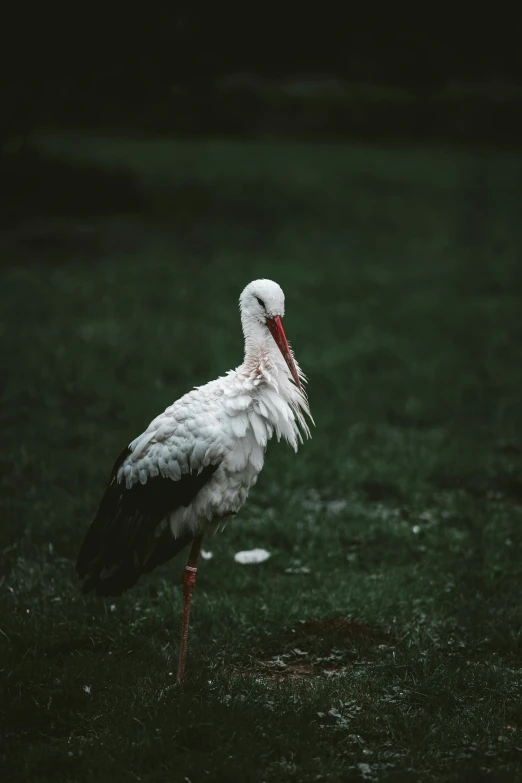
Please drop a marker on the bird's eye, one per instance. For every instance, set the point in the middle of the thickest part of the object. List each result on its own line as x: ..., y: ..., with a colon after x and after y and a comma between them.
x: 261, y: 302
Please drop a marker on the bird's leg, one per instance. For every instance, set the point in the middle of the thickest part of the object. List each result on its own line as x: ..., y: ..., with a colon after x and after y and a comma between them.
x: 189, y: 582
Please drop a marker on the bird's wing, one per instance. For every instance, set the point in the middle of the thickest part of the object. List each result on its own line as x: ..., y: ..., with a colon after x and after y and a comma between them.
x: 161, y: 471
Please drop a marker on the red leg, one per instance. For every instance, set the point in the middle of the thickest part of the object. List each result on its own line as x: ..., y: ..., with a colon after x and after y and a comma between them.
x: 189, y: 582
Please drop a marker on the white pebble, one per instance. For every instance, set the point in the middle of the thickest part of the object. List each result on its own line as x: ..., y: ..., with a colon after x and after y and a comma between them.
x: 251, y: 556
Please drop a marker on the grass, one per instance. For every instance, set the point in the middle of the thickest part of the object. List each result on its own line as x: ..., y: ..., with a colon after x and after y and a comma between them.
x: 395, y: 533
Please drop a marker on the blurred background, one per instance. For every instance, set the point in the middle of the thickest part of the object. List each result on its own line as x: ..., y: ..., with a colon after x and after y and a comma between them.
x: 447, y: 76
x: 377, y: 76
x: 152, y: 163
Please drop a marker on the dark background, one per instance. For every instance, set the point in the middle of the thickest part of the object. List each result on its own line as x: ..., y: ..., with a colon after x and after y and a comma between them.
x: 152, y: 164
x: 447, y: 73
x: 439, y: 76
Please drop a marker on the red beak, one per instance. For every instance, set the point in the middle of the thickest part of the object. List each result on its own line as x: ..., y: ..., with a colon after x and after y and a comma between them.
x: 278, y: 333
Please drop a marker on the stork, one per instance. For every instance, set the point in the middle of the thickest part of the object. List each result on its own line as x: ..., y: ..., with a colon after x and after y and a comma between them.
x: 193, y: 466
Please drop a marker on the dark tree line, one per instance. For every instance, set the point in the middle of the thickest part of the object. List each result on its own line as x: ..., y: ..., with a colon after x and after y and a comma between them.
x: 84, y: 66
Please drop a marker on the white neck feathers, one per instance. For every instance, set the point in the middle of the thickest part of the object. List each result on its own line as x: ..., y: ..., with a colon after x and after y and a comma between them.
x: 265, y: 377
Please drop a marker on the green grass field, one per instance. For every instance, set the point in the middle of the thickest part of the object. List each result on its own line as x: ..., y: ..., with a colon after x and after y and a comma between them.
x: 383, y: 638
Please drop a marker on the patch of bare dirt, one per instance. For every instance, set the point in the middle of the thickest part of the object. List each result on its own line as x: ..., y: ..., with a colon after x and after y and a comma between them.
x: 350, y: 632
x: 298, y: 664
x: 281, y: 668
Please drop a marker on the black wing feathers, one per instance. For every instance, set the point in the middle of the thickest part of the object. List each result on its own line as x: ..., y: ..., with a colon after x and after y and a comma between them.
x: 124, y: 540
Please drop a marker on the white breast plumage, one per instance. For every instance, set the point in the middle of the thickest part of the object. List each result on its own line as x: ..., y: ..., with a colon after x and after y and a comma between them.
x: 228, y: 423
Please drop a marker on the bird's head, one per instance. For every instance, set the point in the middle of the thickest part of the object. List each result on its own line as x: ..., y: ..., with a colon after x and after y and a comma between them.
x: 262, y: 305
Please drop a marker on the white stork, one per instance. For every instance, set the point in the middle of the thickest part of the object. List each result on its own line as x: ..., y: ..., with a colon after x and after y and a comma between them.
x: 193, y: 466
